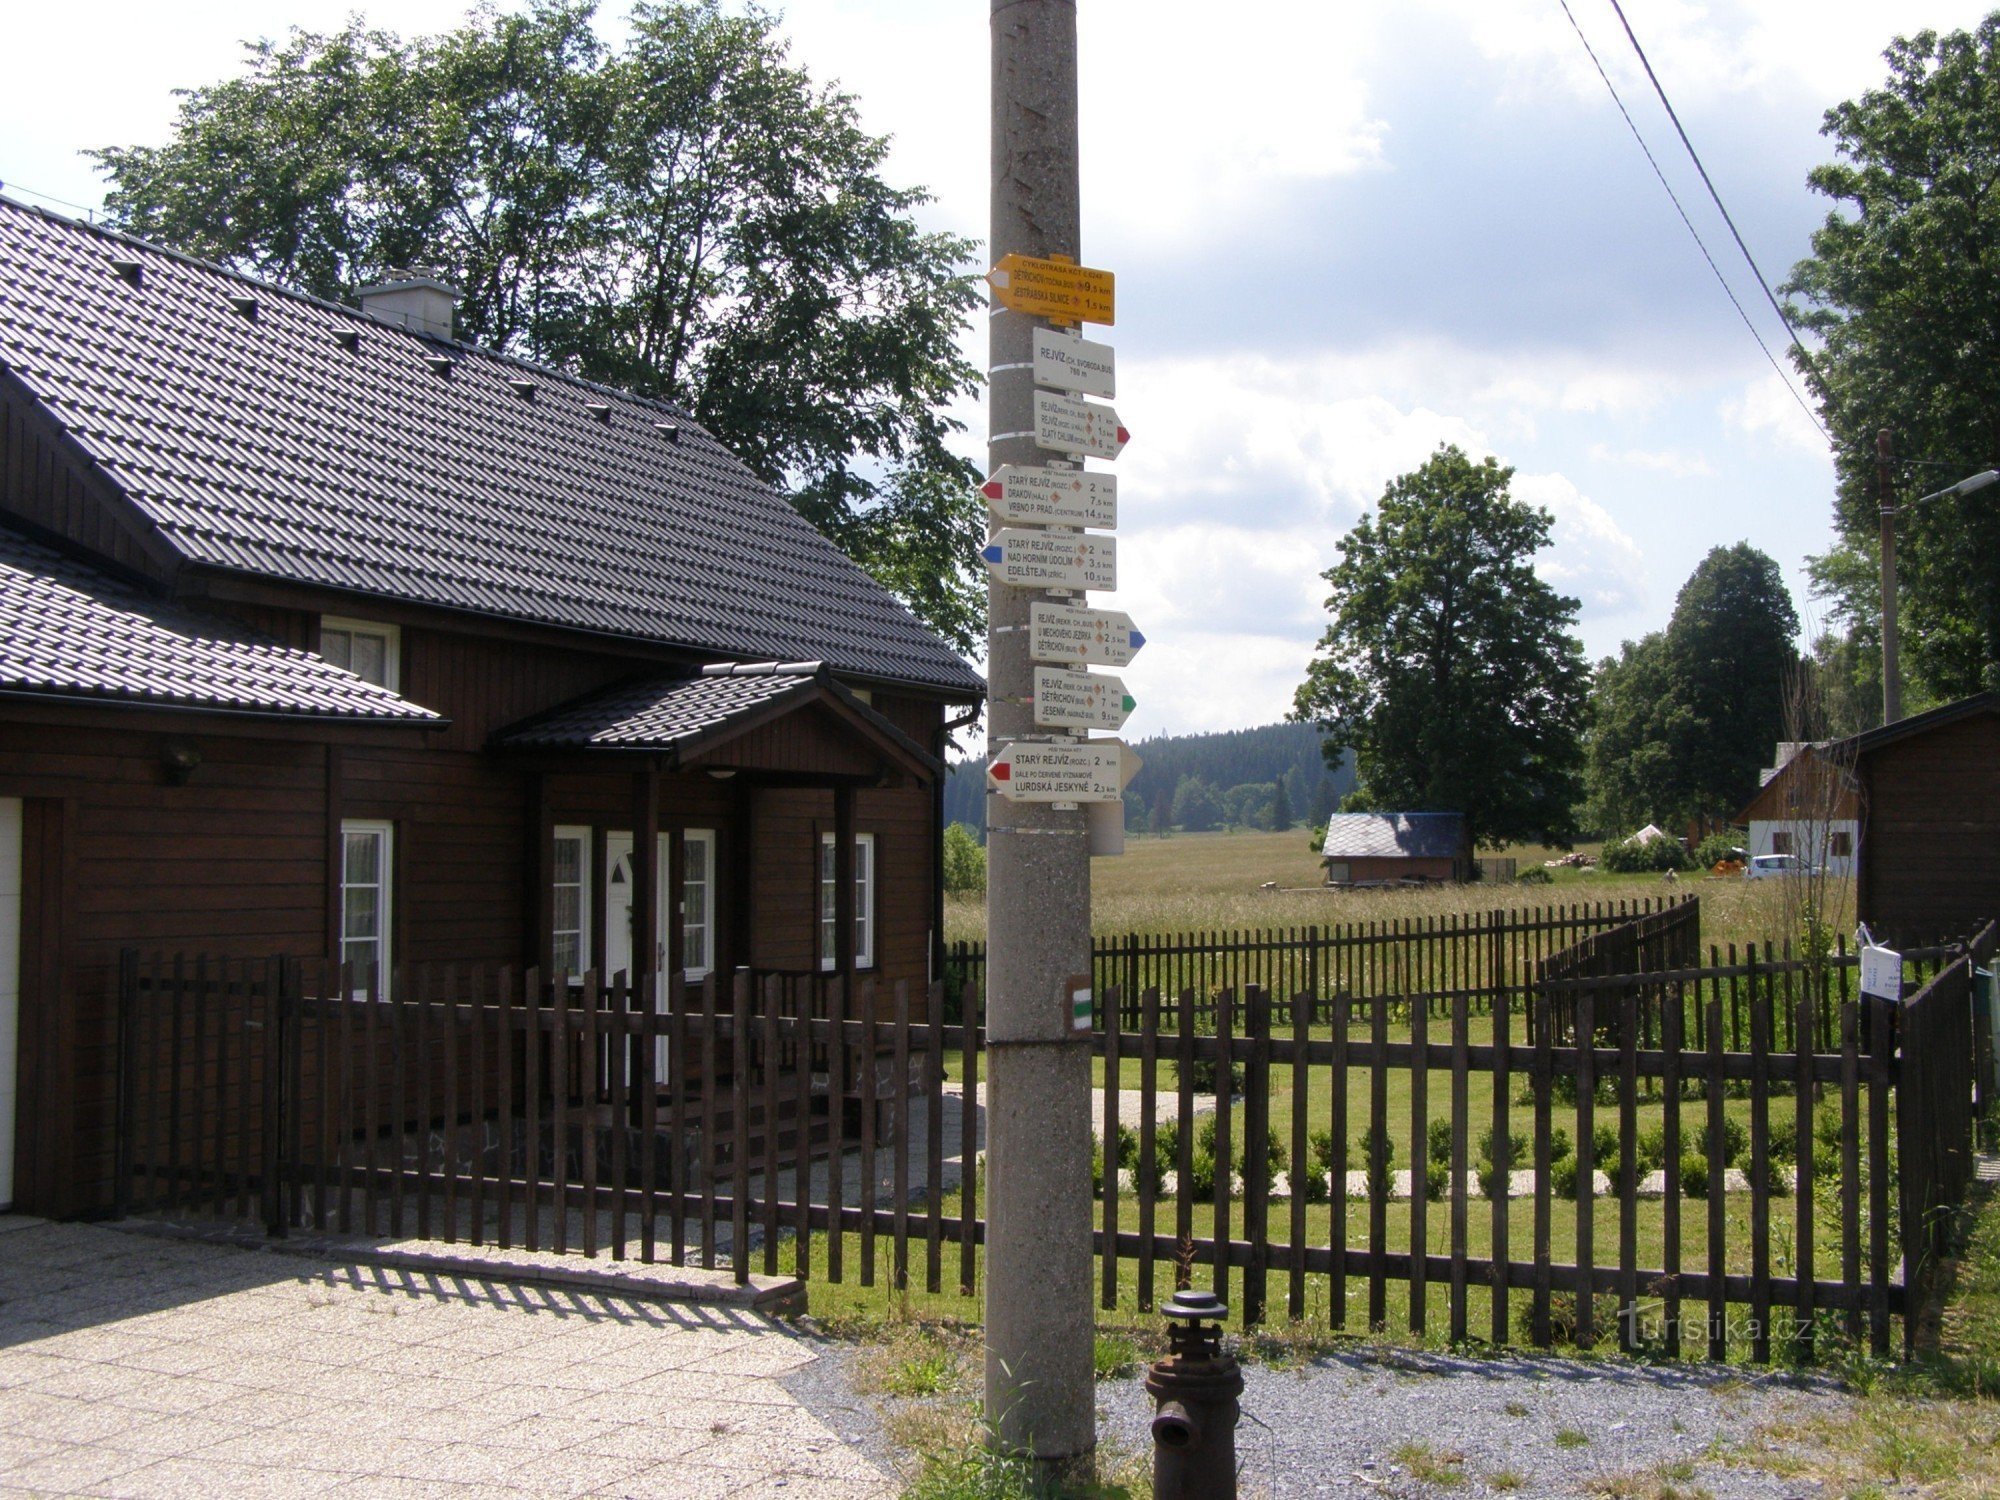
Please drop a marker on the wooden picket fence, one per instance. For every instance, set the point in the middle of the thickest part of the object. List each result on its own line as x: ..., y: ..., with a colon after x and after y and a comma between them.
x: 790, y: 1124
x: 1495, y: 955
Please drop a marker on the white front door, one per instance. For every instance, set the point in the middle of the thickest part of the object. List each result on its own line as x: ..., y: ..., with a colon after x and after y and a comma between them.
x: 618, y: 904
x: 10, y: 987
x: 618, y: 922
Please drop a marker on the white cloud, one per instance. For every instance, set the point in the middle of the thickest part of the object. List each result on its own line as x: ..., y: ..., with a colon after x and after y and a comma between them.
x: 1590, y: 557
x: 1768, y: 409
x: 1191, y: 124
x: 1662, y: 461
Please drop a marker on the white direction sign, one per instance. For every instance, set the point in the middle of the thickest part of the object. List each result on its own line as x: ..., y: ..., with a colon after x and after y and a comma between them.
x: 1089, y: 772
x: 1066, y: 364
x: 1077, y: 700
x: 1098, y: 637
x: 1064, y: 424
x: 1052, y: 497
x: 1052, y: 559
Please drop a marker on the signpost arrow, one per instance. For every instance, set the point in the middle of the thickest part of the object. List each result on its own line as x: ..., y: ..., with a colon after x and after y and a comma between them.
x: 1099, y: 637
x: 1077, y: 700
x: 1072, y: 364
x: 1052, y: 497
x: 1052, y: 559
x: 1064, y: 424
x: 1053, y: 289
x: 1089, y: 772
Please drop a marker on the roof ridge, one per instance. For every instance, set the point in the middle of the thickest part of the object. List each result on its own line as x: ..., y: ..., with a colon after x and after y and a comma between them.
x: 345, y: 309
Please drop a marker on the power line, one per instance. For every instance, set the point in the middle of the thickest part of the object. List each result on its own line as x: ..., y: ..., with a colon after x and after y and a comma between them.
x: 1763, y: 281
x: 15, y: 187
x: 1700, y: 244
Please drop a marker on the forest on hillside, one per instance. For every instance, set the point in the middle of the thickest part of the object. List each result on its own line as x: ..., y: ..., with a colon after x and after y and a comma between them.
x: 1268, y: 777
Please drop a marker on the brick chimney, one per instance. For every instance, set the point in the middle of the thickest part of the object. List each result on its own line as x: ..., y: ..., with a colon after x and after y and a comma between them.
x: 415, y: 299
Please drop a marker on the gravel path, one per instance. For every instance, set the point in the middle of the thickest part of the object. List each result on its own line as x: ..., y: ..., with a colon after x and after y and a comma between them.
x: 1362, y: 1424
x: 1370, y: 1423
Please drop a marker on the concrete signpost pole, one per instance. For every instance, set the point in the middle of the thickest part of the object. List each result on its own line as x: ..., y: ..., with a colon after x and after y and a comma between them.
x: 1892, y: 670
x: 1039, y: 1319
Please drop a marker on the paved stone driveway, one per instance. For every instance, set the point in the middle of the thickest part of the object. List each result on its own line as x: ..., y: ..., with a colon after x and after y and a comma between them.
x: 132, y: 1366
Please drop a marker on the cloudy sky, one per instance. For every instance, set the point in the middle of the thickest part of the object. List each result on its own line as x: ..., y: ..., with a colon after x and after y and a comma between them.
x: 1342, y: 233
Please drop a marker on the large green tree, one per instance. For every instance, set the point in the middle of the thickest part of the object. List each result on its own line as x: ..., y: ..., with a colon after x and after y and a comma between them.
x: 689, y: 215
x: 1903, y: 290
x: 1682, y: 720
x: 1450, y: 668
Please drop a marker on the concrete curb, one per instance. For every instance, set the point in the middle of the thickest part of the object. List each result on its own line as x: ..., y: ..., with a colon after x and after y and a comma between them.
x: 771, y: 1295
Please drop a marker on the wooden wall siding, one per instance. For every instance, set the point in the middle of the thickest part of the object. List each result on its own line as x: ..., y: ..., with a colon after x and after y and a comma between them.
x: 46, y: 485
x: 688, y: 799
x: 812, y: 741
x: 462, y: 842
x: 1931, y: 836
x: 46, y: 1100
x: 230, y: 863
x: 785, y: 884
x: 1396, y: 869
x: 482, y: 684
x: 919, y: 718
x: 293, y: 627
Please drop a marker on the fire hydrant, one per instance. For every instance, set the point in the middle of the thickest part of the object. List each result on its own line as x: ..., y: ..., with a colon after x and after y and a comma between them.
x: 1194, y: 1390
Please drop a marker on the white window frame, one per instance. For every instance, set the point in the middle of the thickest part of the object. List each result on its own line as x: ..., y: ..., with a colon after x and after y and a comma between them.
x: 385, y: 887
x: 586, y: 844
x: 704, y: 838
x: 392, y: 644
x: 864, y: 901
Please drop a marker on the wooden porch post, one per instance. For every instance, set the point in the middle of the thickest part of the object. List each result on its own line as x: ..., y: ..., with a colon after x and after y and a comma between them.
x: 645, y: 877
x: 739, y: 855
x: 843, y: 885
x: 541, y: 893
x: 674, y: 941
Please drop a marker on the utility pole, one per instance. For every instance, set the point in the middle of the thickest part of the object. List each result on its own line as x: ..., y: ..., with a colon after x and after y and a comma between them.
x: 1040, y: 1325
x: 1892, y: 687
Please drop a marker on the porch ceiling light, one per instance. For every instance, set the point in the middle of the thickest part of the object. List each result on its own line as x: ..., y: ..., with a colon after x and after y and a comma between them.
x: 721, y: 773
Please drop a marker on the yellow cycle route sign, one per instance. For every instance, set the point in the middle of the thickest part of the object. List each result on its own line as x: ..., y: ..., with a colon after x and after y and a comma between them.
x: 1053, y: 289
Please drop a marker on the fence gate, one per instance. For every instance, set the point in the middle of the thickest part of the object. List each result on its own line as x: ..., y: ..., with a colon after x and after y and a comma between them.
x: 197, y: 1088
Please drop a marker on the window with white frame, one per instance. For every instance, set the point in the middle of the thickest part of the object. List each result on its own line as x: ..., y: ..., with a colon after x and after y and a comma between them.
x: 366, y: 866
x: 698, y: 903
x: 369, y: 649
x: 864, y: 901
x: 569, y: 932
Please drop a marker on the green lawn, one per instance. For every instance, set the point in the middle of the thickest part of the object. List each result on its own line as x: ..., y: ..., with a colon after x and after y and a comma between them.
x: 850, y: 1301
x: 1208, y: 882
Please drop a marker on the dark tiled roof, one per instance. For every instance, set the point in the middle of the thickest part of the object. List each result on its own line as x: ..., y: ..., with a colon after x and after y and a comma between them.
x: 1394, y: 836
x: 662, y: 713
x: 262, y: 444
x: 684, y: 713
x: 67, y: 631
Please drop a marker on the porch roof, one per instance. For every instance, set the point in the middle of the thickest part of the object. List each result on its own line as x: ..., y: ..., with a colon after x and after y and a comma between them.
x: 691, y: 716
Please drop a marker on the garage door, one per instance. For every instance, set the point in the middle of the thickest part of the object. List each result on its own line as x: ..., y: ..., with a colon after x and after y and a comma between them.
x: 10, y: 986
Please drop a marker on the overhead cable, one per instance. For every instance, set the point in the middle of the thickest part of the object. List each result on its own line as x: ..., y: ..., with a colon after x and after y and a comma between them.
x: 1763, y: 281
x: 1700, y: 244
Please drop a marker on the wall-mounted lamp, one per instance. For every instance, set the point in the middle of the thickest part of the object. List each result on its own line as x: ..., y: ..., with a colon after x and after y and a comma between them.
x: 178, y: 760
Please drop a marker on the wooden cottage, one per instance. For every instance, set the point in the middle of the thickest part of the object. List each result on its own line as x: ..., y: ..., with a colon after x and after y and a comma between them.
x: 1929, y: 795
x: 1385, y: 848
x: 322, y: 634
x: 1807, y: 807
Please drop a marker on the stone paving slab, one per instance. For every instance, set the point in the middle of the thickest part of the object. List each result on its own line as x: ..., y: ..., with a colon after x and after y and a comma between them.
x: 147, y: 1367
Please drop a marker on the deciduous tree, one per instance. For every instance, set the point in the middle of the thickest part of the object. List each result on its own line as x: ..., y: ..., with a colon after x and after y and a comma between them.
x: 1450, y: 668
x: 689, y: 215
x: 1682, y: 720
x: 1903, y: 290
